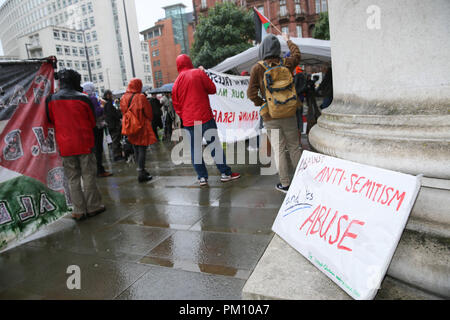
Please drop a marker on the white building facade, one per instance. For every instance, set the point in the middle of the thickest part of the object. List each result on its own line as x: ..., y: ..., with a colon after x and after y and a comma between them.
x: 68, y: 29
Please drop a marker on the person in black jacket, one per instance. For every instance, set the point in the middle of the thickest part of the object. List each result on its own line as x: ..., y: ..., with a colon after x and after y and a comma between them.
x: 157, y: 114
x: 326, y: 89
x: 114, y: 123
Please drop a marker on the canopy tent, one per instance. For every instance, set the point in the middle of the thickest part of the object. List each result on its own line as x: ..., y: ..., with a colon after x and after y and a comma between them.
x: 167, y: 88
x: 313, y: 51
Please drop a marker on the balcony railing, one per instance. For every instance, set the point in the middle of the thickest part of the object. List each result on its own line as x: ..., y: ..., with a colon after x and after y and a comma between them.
x: 283, y: 17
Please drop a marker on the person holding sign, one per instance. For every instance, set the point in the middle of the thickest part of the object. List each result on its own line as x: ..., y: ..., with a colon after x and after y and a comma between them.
x: 272, y: 88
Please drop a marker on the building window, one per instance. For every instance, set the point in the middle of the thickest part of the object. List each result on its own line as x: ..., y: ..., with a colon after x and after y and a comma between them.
x: 99, y: 64
x: 64, y: 36
x: 59, y: 50
x: 80, y: 37
x: 72, y: 37
x: 56, y: 35
x: 84, y: 65
x: 61, y: 64
x: 67, y: 51
x: 321, y: 6
x: 283, y: 11
x: 298, y: 7
x: 88, y: 37
x: 324, y: 5
x: 69, y: 64
x: 75, y: 51
x: 82, y: 52
x: 299, y: 32
x: 155, y: 53
x: 94, y: 35
x: 204, y: 4
x: 285, y: 30
x: 92, y: 21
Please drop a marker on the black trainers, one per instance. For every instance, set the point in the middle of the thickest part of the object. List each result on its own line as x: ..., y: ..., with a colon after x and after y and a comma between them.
x: 144, y: 177
x: 282, y: 189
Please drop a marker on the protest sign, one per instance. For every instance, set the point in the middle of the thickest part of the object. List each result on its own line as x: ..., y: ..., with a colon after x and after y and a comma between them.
x: 346, y: 219
x: 236, y: 116
x: 31, y: 175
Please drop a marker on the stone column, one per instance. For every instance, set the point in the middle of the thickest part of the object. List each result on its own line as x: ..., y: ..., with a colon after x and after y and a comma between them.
x: 391, y: 68
x: 391, y: 109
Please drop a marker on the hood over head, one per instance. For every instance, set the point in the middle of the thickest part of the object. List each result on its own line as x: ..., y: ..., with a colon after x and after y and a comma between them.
x: 89, y: 88
x: 270, y: 47
x: 184, y: 62
x: 135, y: 86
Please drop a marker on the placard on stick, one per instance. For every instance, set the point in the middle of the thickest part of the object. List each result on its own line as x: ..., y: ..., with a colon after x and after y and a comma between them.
x: 346, y: 219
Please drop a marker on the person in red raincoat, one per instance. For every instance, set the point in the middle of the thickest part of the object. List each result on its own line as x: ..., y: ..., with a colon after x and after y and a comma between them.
x: 135, y: 100
x: 191, y: 102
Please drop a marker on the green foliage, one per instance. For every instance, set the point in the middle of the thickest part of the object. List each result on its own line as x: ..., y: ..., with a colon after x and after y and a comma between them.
x: 322, y: 28
x: 226, y: 31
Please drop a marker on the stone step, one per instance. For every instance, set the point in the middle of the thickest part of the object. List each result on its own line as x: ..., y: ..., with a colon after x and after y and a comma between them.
x: 284, y: 274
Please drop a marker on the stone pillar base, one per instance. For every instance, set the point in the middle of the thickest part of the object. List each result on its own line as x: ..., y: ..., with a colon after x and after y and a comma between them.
x: 284, y: 274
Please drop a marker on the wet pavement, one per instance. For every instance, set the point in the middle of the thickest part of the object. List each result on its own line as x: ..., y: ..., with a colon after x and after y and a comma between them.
x: 166, y: 239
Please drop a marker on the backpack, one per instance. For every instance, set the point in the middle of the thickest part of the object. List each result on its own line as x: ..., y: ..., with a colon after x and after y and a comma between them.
x: 280, y: 93
x: 130, y: 124
x: 300, y: 83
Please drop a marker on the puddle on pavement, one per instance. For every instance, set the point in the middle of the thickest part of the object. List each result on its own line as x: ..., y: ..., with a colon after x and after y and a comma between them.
x: 201, y: 267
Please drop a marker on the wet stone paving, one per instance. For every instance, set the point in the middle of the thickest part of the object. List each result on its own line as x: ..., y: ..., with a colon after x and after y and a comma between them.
x: 166, y: 239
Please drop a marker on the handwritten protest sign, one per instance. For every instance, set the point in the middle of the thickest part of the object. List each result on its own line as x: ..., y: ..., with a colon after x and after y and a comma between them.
x: 236, y: 116
x: 346, y: 219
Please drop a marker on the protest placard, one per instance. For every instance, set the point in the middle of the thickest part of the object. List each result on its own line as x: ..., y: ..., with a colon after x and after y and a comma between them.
x: 346, y: 219
x: 236, y: 116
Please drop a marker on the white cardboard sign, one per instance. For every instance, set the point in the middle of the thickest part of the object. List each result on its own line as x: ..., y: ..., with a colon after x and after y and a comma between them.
x: 346, y: 219
x: 236, y: 116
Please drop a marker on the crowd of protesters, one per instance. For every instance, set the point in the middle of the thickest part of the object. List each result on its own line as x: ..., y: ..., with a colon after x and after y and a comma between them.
x: 133, y: 122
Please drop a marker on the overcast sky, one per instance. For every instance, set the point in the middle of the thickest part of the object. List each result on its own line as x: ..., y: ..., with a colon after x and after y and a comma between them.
x: 148, y: 12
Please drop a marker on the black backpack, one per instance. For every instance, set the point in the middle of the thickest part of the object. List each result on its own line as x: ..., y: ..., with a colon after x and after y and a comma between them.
x: 300, y: 82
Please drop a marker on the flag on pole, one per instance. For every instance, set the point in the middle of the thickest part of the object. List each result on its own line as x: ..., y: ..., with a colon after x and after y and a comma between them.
x: 261, y: 25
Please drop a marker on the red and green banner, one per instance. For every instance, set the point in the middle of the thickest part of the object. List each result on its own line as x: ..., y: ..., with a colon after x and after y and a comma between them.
x: 261, y: 25
x: 32, y: 180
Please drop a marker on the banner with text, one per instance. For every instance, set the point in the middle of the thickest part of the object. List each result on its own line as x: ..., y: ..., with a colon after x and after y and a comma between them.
x: 236, y: 116
x: 346, y: 219
x: 32, y: 180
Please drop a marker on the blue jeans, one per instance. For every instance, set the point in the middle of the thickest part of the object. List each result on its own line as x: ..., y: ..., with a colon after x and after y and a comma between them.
x: 197, y: 133
x: 326, y: 102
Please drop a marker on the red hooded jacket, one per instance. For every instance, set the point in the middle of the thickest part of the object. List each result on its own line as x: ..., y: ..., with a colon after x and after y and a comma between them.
x: 72, y: 113
x: 190, y: 93
x: 143, y: 112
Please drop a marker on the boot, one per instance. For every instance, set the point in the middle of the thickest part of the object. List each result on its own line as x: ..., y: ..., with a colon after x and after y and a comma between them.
x: 144, y: 176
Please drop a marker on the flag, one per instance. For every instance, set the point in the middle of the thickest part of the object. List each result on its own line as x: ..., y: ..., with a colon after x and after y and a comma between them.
x: 261, y: 25
x: 32, y: 182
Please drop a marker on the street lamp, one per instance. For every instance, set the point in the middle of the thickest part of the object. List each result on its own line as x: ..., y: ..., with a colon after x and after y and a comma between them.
x: 86, y: 53
x: 129, y: 41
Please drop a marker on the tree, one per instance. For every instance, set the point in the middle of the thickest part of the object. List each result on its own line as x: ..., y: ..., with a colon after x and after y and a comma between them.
x: 225, y: 32
x: 322, y: 28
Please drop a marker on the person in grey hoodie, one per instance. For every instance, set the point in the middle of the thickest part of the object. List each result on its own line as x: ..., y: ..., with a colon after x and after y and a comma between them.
x: 270, y: 51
